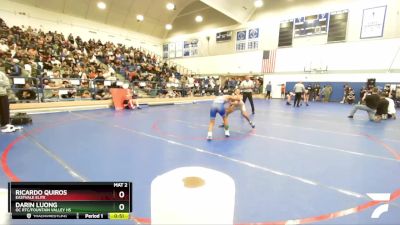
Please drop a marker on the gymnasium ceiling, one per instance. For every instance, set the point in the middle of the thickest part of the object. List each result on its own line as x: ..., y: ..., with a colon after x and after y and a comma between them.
x: 122, y: 13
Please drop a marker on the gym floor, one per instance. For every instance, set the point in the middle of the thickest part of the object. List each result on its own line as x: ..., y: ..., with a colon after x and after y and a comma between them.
x: 300, y: 165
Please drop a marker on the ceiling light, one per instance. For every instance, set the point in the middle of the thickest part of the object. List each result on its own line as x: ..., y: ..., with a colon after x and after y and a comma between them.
x: 170, y: 6
x: 199, y: 19
x: 258, y: 3
x: 101, y: 5
x: 139, y: 18
x: 168, y: 26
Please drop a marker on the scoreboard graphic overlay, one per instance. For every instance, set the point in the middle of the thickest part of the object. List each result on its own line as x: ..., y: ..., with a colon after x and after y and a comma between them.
x: 70, y: 200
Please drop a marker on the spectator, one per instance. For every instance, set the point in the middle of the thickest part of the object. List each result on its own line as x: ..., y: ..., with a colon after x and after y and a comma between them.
x: 268, y: 89
x: 50, y: 90
x: 283, y: 90
x: 101, y: 92
x: 130, y: 102
x: 84, y: 91
x: 27, y: 93
x: 15, y: 70
x: 5, y: 106
x: 351, y: 96
x: 99, y: 78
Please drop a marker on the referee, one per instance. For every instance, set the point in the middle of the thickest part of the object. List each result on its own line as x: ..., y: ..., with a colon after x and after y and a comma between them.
x: 247, y: 86
x: 299, y: 89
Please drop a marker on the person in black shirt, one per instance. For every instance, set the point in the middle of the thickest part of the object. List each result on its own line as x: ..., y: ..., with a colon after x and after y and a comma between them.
x: 371, y: 104
x: 382, y: 108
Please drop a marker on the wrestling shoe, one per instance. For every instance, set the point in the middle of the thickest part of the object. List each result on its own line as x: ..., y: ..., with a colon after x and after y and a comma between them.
x: 209, y: 136
x: 227, y: 133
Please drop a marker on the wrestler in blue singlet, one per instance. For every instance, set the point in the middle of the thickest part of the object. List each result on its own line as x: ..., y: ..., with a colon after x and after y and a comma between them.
x: 218, y: 106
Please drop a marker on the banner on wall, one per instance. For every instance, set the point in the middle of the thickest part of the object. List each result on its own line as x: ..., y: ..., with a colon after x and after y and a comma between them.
x: 171, y: 50
x: 179, y: 49
x: 373, y: 22
x: 224, y: 36
x: 252, y: 43
x: 247, y: 39
x: 241, y: 40
x: 253, y: 33
x: 165, y: 51
x: 191, y: 48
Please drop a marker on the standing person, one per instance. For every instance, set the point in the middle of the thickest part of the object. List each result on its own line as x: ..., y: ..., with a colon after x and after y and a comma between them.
x: 247, y: 89
x: 329, y: 91
x: 268, y: 90
x: 283, y: 90
x: 5, y: 106
x: 371, y: 103
x: 218, y: 107
x: 298, y: 89
x: 307, y: 94
x: 317, y: 93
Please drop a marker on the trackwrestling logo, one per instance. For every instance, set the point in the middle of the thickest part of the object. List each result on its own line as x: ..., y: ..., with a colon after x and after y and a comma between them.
x: 383, y: 197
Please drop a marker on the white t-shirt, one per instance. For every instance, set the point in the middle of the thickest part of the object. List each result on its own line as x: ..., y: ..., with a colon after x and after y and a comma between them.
x: 391, y: 108
x: 247, y: 86
x: 191, y: 81
x: 3, y: 47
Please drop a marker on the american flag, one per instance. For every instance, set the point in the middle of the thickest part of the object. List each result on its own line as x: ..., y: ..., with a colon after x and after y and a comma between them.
x: 268, y: 61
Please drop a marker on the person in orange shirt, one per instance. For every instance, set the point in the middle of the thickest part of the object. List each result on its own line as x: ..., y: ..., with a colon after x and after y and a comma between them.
x: 283, y: 89
x: 130, y: 102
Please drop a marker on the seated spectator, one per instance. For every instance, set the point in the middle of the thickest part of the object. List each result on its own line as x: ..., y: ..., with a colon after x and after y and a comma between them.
x: 50, y: 90
x: 99, y: 78
x: 71, y: 91
x: 56, y: 77
x: 27, y: 93
x: 351, y: 96
x: 101, y: 92
x: 130, y: 101
x: 15, y: 70
x: 3, y: 47
x: 27, y: 67
x: 84, y: 91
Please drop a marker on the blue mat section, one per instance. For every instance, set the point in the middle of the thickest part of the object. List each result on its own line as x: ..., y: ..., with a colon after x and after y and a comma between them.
x: 337, y: 87
x: 297, y: 163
